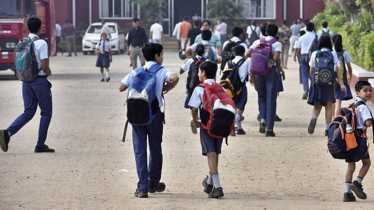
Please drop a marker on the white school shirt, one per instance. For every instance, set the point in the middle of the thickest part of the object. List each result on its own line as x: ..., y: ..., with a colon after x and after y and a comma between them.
x: 41, y: 52
x: 363, y: 114
x: 244, y: 69
x: 197, y: 95
x: 312, y: 61
x: 276, y: 46
x: 186, y: 66
x: 204, y: 42
x: 305, y: 41
x: 156, y: 30
x: 58, y: 30
x: 163, y: 75
x: 236, y: 39
x: 255, y: 29
x: 103, y: 46
x: 176, y: 31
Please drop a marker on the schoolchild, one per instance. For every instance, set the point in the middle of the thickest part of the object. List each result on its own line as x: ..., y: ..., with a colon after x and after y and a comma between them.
x: 345, y: 59
x: 323, y: 95
x: 149, y: 175
x: 239, y: 51
x: 266, y: 86
x: 104, y: 57
x: 297, y: 57
x: 363, y: 92
x: 200, y: 49
x: 37, y: 92
x: 237, y: 36
x: 211, y: 147
x: 210, y: 51
x: 303, y: 46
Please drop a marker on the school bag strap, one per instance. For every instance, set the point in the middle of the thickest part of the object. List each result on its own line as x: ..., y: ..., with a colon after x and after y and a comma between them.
x: 359, y: 103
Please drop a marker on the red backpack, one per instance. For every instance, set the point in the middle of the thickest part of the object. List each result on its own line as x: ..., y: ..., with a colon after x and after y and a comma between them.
x: 218, y: 111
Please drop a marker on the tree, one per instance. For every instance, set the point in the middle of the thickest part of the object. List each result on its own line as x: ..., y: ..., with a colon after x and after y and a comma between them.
x: 152, y: 10
x: 348, y: 7
x: 226, y: 10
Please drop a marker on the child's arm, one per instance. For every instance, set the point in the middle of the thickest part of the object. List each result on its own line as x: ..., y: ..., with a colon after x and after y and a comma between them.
x: 194, y: 112
x: 110, y: 55
x: 349, y: 72
x: 368, y: 122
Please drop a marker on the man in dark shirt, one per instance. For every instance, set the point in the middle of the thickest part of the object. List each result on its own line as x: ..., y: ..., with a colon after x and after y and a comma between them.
x: 136, y: 40
x: 193, y: 32
x: 68, y: 32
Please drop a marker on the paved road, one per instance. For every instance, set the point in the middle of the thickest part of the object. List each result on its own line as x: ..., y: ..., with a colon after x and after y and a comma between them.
x: 93, y: 169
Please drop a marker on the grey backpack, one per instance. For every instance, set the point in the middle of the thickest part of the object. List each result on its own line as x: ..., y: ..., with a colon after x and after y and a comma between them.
x: 25, y: 60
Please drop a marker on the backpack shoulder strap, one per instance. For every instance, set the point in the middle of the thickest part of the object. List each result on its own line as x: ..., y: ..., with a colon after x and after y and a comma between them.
x: 230, y: 64
x: 240, y: 62
x: 155, y: 68
x: 271, y: 41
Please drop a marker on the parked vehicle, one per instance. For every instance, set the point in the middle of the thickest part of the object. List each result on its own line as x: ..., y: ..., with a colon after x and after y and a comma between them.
x: 92, y: 37
x: 13, y: 26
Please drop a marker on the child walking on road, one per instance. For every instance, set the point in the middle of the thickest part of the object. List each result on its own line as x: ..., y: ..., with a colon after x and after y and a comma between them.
x: 211, y: 147
x: 104, y: 57
x: 345, y: 59
x: 363, y: 91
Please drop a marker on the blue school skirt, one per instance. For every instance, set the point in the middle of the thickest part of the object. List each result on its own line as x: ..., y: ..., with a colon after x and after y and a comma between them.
x: 321, y: 94
x: 343, y: 95
x: 103, y: 60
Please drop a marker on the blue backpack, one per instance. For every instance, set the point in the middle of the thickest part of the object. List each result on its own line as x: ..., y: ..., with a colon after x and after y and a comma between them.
x: 142, y: 103
x: 25, y: 60
x: 324, y: 72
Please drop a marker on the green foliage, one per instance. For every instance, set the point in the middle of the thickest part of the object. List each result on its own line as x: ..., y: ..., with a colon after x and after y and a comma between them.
x: 152, y: 10
x: 348, y: 7
x: 226, y: 10
x: 367, y: 44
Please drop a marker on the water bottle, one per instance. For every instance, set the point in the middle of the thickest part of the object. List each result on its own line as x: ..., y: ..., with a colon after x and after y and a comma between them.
x: 348, y: 128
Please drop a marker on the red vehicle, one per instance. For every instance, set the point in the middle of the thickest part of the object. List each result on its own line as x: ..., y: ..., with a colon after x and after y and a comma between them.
x: 13, y: 26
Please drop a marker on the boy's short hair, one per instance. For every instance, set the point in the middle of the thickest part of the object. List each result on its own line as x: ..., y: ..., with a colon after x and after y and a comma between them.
x: 284, y: 22
x: 360, y: 84
x: 196, y: 23
x: 135, y: 20
x: 210, y: 69
x: 239, y: 50
x: 237, y: 31
x: 264, y: 26
x: 310, y: 26
x: 150, y: 50
x: 200, y: 49
x: 325, y: 24
x: 272, y: 30
x: 33, y: 24
x: 206, y: 35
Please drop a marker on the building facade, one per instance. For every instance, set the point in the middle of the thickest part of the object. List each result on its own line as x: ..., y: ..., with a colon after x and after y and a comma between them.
x: 84, y: 12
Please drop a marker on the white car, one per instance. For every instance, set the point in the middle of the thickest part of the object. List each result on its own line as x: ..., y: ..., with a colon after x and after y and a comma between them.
x: 92, y: 37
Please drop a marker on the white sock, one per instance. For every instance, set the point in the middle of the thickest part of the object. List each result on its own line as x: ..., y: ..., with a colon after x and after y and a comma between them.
x: 359, y: 179
x: 216, y: 182
x: 237, y: 121
x: 314, y: 117
x: 327, y: 125
x: 263, y: 121
x: 210, y: 180
x: 102, y: 75
x: 107, y: 74
x: 347, y: 187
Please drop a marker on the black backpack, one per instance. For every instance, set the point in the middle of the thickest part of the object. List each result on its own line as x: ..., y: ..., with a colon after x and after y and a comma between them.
x: 193, y: 77
x: 313, y: 47
x: 228, y: 52
x: 230, y: 80
x: 253, y: 36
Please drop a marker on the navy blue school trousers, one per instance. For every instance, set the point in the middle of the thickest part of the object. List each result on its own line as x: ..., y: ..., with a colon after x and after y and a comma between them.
x: 305, y: 72
x: 153, y: 131
x: 267, y: 97
x: 37, y: 92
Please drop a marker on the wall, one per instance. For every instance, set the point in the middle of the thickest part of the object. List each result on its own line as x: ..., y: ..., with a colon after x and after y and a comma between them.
x: 312, y: 7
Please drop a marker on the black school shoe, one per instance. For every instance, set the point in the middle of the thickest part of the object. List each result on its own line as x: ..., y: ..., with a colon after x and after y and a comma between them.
x: 207, y: 187
x: 276, y: 119
x: 270, y: 134
x: 262, y: 127
x: 216, y: 193
x: 152, y: 187
x: 4, y: 140
x: 349, y: 197
x: 312, y: 125
x: 357, y: 188
x: 44, y: 149
x: 141, y: 193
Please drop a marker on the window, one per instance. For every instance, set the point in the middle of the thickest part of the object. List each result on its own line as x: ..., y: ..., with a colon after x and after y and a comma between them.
x: 258, y: 9
x: 118, y: 9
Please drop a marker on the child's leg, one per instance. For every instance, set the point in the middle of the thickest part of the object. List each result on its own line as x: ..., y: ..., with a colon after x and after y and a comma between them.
x: 364, y: 169
x: 338, y: 105
x: 213, y: 168
x: 102, y: 72
x: 328, y: 114
x: 107, y: 72
x: 349, y: 175
x: 238, y: 123
x: 316, y: 110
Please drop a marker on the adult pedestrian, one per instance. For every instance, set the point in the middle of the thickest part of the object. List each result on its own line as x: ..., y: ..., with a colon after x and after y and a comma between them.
x: 37, y: 92
x: 295, y: 28
x: 222, y: 28
x: 215, y: 41
x: 58, y: 39
x: 176, y: 33
x: 184, y: 27
x: 284, y: 34
x: 69, y: 33
x: 156, y: 33
x: 193, y: 32
x: 137, y: 39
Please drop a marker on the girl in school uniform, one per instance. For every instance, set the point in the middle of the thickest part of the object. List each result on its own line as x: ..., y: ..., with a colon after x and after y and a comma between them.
x: 323, y: 95
x: 345, y: 61
x: 104, y: 57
